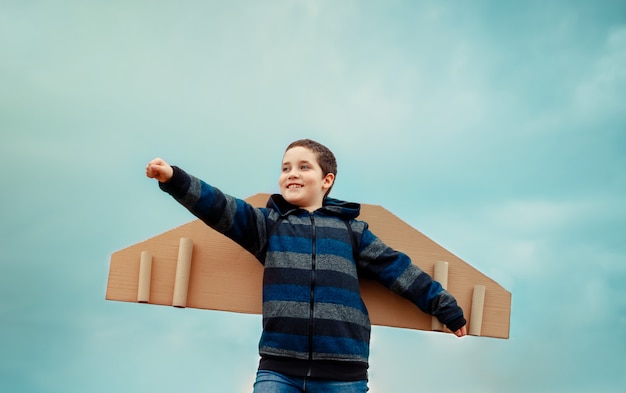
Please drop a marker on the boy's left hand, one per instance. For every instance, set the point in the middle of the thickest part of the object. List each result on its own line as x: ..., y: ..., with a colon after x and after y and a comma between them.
x: 461, y: 332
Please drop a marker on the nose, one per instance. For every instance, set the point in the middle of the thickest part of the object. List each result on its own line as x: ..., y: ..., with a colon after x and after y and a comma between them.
x: 293, y: 173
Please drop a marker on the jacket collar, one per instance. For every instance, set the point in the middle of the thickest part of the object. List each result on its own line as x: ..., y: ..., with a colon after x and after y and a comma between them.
x: 331, y: 207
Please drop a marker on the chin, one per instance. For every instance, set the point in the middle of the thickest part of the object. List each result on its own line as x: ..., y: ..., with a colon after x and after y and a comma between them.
x: 287, y: 197
x: 293, y: 201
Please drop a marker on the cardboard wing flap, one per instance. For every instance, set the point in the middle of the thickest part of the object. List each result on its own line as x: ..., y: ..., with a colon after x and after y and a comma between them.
x: 195, y: 266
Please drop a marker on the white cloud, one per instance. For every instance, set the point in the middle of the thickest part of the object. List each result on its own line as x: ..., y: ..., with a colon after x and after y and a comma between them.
x: 537, y: 217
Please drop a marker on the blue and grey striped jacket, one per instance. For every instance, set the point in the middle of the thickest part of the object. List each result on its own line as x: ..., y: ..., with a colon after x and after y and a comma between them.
x: 314, y: 320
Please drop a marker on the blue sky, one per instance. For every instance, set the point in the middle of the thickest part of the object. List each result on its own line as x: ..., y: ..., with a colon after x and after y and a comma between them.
x: 496, y: 128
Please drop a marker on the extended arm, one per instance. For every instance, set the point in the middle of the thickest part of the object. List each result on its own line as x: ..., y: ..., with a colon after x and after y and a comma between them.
x: 231, y: 216
x: 395, y: 270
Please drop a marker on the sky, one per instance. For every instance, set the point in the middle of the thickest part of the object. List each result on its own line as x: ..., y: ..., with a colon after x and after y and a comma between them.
x: 498, y: 129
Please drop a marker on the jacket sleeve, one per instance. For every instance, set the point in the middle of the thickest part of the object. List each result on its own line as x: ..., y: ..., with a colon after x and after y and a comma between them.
x: 230, y: 216
x: 395, y: 270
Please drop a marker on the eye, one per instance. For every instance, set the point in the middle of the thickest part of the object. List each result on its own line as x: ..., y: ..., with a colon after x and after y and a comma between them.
x: 304, y: 167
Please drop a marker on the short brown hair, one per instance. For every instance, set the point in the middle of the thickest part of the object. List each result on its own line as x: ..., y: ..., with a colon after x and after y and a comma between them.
x: 325, y: 157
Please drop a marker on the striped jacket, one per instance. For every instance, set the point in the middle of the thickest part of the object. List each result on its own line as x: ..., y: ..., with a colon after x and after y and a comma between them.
x: 314, y: 320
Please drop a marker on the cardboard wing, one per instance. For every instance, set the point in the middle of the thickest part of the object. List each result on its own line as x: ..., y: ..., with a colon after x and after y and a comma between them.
x: 195, y: 266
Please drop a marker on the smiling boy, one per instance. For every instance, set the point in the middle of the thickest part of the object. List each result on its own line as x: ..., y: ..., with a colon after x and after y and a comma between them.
x: 316, y: 329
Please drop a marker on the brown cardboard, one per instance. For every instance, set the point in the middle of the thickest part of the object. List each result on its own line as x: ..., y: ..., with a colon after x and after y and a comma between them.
x: 223, y: 276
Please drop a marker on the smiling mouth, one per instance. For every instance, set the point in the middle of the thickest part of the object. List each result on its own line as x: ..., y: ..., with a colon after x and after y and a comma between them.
x: 294, y: 186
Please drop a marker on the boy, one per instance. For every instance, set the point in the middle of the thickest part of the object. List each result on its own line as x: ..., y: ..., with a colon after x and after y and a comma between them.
x: 316, y: 329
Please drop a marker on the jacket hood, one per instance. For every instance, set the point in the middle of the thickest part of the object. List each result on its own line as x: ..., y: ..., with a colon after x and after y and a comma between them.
x: 331, y: 207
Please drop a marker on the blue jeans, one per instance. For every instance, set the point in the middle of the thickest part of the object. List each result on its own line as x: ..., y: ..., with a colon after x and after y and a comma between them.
x: 272, y: 382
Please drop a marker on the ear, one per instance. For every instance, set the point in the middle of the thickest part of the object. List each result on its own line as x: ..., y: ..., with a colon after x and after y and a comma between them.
x: 328, y: 181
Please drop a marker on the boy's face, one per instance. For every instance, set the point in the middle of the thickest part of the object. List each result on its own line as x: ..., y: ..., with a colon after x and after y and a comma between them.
x: 301, y: 180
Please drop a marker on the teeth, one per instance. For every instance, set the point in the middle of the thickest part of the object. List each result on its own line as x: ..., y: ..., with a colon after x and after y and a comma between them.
x: 294, y: 186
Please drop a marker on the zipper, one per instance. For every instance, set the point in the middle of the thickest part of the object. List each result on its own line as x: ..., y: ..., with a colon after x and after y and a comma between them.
x: 312, y: 294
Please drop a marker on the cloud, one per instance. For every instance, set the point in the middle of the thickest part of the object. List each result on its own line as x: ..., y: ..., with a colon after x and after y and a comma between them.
x: 598, y: 95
